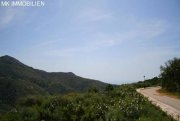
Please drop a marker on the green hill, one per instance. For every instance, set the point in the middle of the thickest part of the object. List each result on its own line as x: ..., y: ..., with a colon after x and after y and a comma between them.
x: 18, y: 80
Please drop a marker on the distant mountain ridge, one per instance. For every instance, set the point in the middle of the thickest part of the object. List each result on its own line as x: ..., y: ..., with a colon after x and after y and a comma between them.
x: 18, y: 79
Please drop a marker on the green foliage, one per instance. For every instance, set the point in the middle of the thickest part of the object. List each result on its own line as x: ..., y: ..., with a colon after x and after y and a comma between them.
x: 7, y: 91
x: 19, y: 80
x: 170, y: 74
x: 109, y: 87
x: 52, y: 83
x: 149, y: 82
x: 93, y: 90
x: 121, y: 104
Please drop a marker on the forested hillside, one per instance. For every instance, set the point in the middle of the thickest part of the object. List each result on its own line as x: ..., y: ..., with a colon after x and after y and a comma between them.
x: 19, y: 80
x: 28, y: 94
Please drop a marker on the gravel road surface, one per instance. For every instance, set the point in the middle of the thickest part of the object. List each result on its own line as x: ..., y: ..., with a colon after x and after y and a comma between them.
x: 168, y: 104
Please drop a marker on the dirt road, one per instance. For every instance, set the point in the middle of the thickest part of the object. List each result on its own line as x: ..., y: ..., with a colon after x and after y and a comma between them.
x: 166, y: 103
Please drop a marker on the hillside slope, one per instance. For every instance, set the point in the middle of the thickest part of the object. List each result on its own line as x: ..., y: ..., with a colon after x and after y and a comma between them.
x: 18, y: 79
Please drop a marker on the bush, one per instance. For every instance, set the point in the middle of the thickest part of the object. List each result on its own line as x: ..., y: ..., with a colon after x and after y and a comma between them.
x: 170, y: 74
x: 121, y: 104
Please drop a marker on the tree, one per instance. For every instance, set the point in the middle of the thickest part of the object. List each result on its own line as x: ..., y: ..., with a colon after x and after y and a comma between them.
x: 93, y: 90
x: 170, y: 74
x: 109, y: 87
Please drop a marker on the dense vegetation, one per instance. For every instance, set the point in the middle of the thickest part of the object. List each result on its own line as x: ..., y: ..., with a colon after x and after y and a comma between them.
x: 170, y: 74
x: 19, y: 80
x: 28, y: 94
x: 149, y: 82
x: 122, y: 103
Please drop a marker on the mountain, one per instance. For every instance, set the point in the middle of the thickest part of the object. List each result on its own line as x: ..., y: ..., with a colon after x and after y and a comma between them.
x: 18, y: 79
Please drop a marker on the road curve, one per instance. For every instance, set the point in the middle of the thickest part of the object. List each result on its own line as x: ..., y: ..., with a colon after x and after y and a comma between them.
x: 166, y: 103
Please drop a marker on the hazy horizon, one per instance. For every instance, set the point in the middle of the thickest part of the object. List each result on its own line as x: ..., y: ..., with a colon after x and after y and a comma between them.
x: 114, y: 41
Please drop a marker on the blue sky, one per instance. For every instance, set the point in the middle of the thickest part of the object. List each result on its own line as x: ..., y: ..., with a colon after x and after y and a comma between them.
x: 115, y: 41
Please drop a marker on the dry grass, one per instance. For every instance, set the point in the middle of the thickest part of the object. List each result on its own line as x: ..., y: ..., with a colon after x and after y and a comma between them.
x: 170, y: 94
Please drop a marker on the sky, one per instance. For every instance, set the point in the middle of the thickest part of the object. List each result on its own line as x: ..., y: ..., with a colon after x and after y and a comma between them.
x: 115, y: 41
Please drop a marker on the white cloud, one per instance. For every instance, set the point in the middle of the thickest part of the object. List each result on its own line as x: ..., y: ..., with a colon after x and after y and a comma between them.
x: 51, y: 48
x: 8, y: 15
x: 97, y: 41
x: 47, y: 43
x: 92, y: 15
x: 143, y: 31
x: 74, y: 51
